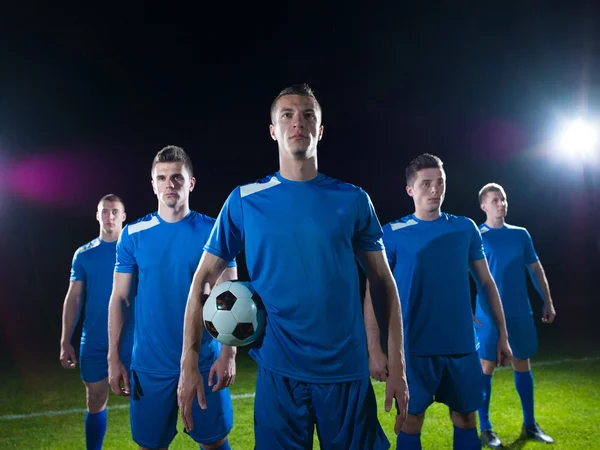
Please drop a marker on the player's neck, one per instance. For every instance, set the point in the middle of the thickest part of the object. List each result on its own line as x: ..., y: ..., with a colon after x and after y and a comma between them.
x: 298, y: 170
x: 427, y: 216
x: 109, y: 237
x: 174, y: 214
x: 497, y: 222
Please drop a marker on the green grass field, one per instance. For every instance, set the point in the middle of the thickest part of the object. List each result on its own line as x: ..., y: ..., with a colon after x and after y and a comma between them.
x: 36, y: 409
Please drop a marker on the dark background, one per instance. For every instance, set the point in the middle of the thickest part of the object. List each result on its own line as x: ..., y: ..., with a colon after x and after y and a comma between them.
x: 88, y: 95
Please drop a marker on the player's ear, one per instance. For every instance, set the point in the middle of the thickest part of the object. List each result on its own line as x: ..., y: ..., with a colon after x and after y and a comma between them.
x: 482, y: 206
x: 320, y: 132
x: 272, y: 132
x: 409, y: 190
x: 192, y: 183
x: 153, y: 187
x: 97, y: 215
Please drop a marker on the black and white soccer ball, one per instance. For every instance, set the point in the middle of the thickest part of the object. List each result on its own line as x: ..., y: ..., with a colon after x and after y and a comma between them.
x: 234, y: 313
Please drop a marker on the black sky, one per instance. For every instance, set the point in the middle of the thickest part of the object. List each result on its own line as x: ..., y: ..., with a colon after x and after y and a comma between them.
x: 480, y: 86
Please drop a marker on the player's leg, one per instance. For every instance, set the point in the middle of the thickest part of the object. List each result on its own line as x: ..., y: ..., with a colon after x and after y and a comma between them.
x: 487, y: 335
x: 461, y: 388
x: 94, y: 374
x: 423, y: 374
x: 283, y: 416
x: 523, y: 341
x: 346, y: 416
x: 212, y: 426
x: 96, y: 415
x: 153, y: 409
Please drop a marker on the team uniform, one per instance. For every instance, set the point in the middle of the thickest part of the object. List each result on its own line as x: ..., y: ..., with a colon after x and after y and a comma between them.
x: 165, y: 256
x: 299, y: 239
x: 430, y: 263
x: 509, y: 251
x: 93, y: 264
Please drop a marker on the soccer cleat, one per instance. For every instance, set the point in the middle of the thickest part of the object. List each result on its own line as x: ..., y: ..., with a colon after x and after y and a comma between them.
x: 489, y: 439
x: 535, y: 432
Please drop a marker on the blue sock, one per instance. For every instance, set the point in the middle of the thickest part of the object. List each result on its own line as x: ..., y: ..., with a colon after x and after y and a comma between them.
x: 466, y: 439
x: 95, y: 429
x: 408, y: 441
x: 524, y: 385
x: 484, y: 411
x: 223, y: 446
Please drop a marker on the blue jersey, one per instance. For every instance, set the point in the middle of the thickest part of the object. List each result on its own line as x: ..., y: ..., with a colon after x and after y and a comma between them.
x: 299, y: 239
x: 93, y: 264
x: 509, y: 251
x: 430, y: 263
x: 165, y: 256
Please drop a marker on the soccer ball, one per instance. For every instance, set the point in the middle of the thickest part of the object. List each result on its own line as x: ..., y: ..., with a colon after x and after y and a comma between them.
x: 234, y: 313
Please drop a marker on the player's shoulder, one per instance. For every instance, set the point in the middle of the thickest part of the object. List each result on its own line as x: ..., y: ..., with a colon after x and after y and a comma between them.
x: 199, y: 220
x: 400, y: 224
x: 147, y: 222
x: 94, y: 243
x: 464, y: 221
x: 258, y: 185
x: 515, y: 228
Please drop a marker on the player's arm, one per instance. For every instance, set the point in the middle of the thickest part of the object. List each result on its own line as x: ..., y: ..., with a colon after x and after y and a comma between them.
x: 71, y: 308
x: 117, y: 306
x: 536, y: 271
x: 119, y: 301
x: 209, y: 270
x: 224, y: 366
x: 377, y: 358
x: 490, y: 292
x: 383, y: 296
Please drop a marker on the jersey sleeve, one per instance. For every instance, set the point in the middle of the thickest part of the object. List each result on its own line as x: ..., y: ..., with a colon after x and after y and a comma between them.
x: 390, y: 248
x: 226, y: 239
x: 77, y: 270
x: 530, y: 254
x: 368, y: 235
x: 476, y: 251
x: 125, y: 260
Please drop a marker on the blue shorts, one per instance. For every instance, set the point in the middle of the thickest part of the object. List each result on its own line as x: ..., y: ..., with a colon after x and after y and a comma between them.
x: 286, y: 412
x: 455, y: 380
x: 522, y: 337
x: 93, y: 364
x: 154, y: 411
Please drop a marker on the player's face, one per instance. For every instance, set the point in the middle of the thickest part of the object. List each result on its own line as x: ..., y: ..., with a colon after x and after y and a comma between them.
x: 172, y: 183
x: 111, y: 216
x: 495, y: 205
x: 297, y: 126
x: 428, y: 190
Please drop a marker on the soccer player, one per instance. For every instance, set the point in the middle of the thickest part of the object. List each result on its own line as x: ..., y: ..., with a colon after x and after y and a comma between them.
x: 509, y: 250
x: 163, y: 249
x: 91, y: 278
x: 301, y: 230
x: 431, y: 253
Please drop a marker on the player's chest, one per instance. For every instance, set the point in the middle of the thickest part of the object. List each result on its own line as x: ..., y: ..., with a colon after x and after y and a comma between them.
x: 169, y: 250
x: 311, y: 218
x: 428, y: 245
x: 502, y: 248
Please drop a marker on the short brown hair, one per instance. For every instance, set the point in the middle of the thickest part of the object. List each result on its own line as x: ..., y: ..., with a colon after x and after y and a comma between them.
x: 111, y: 198
x: 172, y: 153
x: 296, y: 89
x: 424, y: 161
x: 490, y: 187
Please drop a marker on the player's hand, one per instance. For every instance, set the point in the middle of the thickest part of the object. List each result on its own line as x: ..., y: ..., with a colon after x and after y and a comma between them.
x: 378, y: 364
x: 396, y: 388
x: 549, y: 313
x: 504, y: 352
x: 190, y: 385
x: 116, y: 374
x: 223, y: 368
x: 67, y: 356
